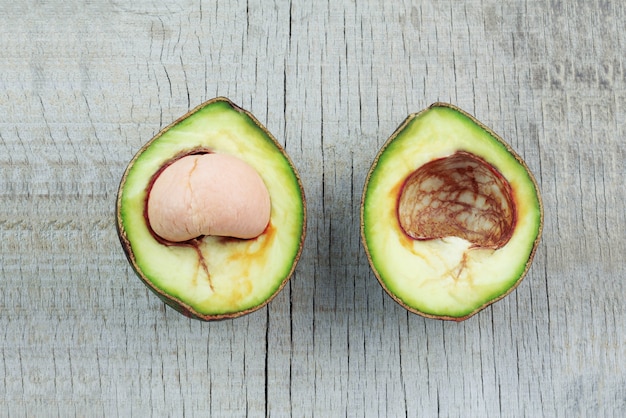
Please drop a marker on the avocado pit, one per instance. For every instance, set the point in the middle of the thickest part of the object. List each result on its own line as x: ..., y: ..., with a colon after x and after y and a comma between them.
x: 208, y: 194
x: 459, y: 195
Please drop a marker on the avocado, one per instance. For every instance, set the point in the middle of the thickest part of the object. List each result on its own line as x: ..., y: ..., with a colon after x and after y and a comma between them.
x: 451, y: 216
x: 230, y: 209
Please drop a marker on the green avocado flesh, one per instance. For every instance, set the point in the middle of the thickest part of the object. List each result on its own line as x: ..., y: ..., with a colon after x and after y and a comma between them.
x: 214, y: 277
x: 467, y: 232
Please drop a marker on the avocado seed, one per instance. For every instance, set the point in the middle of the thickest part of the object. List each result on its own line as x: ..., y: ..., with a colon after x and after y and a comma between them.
x: 460, y: 195
x: 208, y: 194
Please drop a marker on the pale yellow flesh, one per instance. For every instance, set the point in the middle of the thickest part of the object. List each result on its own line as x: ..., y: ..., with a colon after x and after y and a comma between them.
x: 444, y: 277
x: 241, y: 273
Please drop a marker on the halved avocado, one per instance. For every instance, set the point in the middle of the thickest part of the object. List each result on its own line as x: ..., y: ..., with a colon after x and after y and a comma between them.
x: 450, y: 215
x: 211, y: 277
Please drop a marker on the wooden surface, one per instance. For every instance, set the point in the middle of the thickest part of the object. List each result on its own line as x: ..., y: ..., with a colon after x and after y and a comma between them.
x: 84, y: 84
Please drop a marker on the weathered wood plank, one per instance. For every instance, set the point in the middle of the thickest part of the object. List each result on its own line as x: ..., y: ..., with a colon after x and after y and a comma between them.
x: 83, y: 85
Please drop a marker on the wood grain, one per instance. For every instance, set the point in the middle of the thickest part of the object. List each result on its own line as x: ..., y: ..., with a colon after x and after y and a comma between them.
x: 84, y: 84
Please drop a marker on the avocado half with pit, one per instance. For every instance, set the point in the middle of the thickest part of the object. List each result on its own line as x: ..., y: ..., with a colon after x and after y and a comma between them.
x: 211, y: 213
x: 451, y: 216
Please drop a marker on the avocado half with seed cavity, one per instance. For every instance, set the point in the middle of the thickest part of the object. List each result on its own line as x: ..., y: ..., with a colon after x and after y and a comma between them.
x: 211, y: 213
x: 450, y: 215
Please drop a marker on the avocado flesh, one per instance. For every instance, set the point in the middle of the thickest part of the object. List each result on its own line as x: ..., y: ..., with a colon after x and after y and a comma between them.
x: 214, y: 277
x: 446, y: 277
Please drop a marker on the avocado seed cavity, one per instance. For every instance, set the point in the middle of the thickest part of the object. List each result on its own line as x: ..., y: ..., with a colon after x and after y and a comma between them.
x: 460, y: 195
x: 208, y: 194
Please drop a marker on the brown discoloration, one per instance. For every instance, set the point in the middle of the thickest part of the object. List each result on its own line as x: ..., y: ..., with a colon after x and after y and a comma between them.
x: 201, y: 263
x: 460, y: 195
x: 264, y: 240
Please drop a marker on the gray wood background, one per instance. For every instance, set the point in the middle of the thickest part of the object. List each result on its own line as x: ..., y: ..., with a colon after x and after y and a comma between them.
x: 83, y: 84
